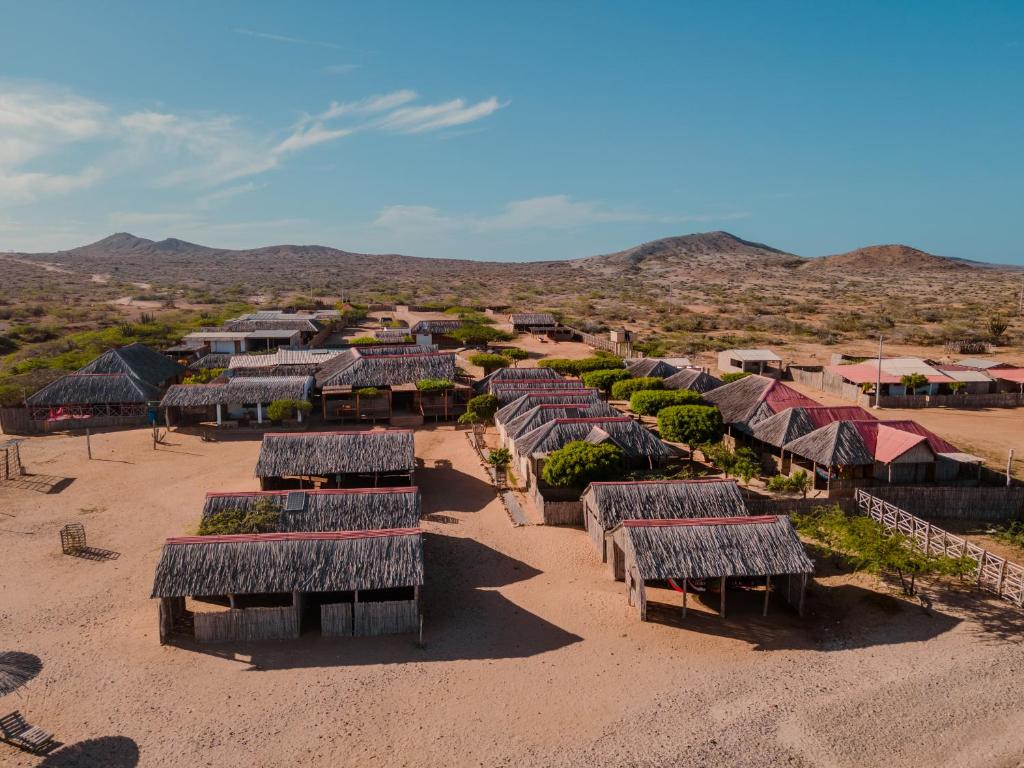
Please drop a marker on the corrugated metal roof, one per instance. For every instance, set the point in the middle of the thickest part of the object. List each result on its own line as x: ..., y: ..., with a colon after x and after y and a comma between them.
x: 754, y: 355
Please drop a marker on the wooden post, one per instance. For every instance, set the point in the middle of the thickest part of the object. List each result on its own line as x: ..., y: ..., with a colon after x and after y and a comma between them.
x: 767, y: 591
x: 803, y: 592
x: 259, y: 413
x: 231, y: 599
x: 721, y: 606
x: 88, y: 442
x: 218, y: 415
x: 684, y: 598
x: 1009, y: 468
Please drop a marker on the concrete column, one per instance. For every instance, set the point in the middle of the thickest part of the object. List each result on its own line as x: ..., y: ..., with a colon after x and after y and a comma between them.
x: 218, y: 415
x: 259, y: 413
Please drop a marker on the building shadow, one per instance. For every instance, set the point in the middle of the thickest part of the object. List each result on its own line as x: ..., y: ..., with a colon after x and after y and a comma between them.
x: 446, y: 489
x: 102, y: 752
x: 840, y: 617
x: 39, y: 483
x: 465, y: 618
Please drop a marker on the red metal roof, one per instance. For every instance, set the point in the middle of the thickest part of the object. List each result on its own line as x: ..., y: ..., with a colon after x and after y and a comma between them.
x: 238, y: 538
x: 823, y: 415
x: 779, y: 397
x: 863, y: 373
x: 1014, y: 375
x: 892, y: 443
x: 665, y: 523
x: 312, y: 492
x: 869, y: 433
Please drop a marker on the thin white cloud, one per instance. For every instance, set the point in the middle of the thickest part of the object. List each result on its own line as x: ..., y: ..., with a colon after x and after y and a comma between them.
x: 303, y: 138
x: 368, y: 106
x: 285, y: 38
x: 435, y: 116
x: 415, y: 219
x: 31, y: 186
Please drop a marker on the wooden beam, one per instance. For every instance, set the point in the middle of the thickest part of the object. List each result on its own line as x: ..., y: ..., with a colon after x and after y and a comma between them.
x: 721, y: 606
x: 803, y: 592
x: 767, y: 592
x: 684, y: 598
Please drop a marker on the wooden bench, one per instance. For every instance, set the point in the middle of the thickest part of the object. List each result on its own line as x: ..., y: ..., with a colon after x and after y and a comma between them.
x: 31, y: 738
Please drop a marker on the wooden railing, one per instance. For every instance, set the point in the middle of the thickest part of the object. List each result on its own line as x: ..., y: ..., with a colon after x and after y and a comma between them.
x: 992, y: 572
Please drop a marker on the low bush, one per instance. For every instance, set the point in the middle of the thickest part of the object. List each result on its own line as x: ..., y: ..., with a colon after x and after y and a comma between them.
x: 434, y: 385
x: 603, y: 380
x: 649, y: 402
x: 728, y: 378
x: 262, y: 518
x: 798, y: 482
x: 690, y: 424
x: 579, y: 367
x: 279, y: 410
x: 479, y: 410
x: 490, y: 362
x: 579, y: 463
x: 623, y: 390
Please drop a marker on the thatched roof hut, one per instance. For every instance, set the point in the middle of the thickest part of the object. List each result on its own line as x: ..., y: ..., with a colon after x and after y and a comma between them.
x: 752, y: 399
x: 95, y: 389
x: 705, y: 548
x: 239, y: 389
x: 692, y: 379
x: 136, y: 360
x: 439, y: 327
x: 532, y: 398
x: 508, y: 375
x: 853, y: 443
x: 631, y: 436
x: 355, y: 509
x: 524, y: 321
x: 363, y: 368
x: 612, y: 503
x: 508, y: 391
x: 334, y: 561
x: 336, y: 453
x: 792, y: 423
x: 651, y: 366
x: 211, y: 361
x: 542, y: 414
x: 283, y: 362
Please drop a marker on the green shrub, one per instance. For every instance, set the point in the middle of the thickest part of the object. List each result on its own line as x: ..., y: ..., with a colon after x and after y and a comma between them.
x: 690, y: 424
x: 604, y: 379
x: 579, y: 463
x: 490, y: 362
x: 513, y: 353
x: 624, y: 390
x: 368, y: 392
x: 363, y: 340
x: 262, y: 518
x: 279, y: 410
x: 474, y: 335
x: 499, y: 457
x: 480, y: 409
x: 434, y: 385
x: 602, y: 362
x: 734, y: 376
x: 742, y: 462
x: 204, y: 376
x: 649, y: 402
x: 798, y: 482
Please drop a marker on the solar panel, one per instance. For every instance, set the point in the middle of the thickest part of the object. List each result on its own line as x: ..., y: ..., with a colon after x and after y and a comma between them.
x: 296, y: 501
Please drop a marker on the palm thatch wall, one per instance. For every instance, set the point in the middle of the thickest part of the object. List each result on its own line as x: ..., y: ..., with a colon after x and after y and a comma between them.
x: 94, y: 389
x: 714, y: 547
x: 137, y: 360
x: 289, y: 562
x: 612, y: 503
x: 331, y: 453
x: 693, y: 379
x: 357, y: 509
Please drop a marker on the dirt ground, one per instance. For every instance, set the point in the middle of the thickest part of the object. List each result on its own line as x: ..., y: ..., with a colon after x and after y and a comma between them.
x: 531, y: 655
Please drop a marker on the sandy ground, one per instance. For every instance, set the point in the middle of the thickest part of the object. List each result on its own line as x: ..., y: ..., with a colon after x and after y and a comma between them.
x: 532, y: 657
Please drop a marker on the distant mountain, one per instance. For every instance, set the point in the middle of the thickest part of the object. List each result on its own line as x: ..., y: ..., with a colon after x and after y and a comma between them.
x: 705, y: 252
x: 879, y: 259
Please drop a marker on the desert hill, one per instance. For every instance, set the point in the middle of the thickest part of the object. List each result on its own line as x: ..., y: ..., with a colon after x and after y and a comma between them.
x: 882, y: 259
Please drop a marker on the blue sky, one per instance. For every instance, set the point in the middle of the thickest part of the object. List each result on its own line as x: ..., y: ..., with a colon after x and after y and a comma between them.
x: 527, y: 130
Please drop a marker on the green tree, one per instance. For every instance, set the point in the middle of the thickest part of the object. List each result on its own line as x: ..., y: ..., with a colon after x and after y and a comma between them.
x: 690, y: 424
x: 623, y: 390
x: 279, y: 410
x: 474, y: 335
x: 499, y: 457
x: 604, y: 379
x: 515, y: 354
x: 741, y: 462
x: 489, y: 362
x: 480, y: 409
x: 649, y: 402
x: 579, y: 463
x: 798, y: 482
x: 913, y: 381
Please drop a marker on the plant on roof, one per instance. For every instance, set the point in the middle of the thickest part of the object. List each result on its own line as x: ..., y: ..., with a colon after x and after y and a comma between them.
x: 604, y: 379
x: 799, y: 482
x: 864, y: 544
x: 368, y: 392
x: 579, y: 463
x: 691, y: 425
x: 434, y: 385
x: 650, y: 402
x: 204, y: 376
x: 623, y: 390
x: 489, y: 362
x: 480, y: 409
x: 263, y: 517
x: 914, y: 381
x: 734, y: 376
x: 285, y: 408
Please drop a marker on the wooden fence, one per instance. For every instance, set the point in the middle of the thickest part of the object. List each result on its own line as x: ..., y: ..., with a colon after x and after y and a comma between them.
x: 389, y: 617
x: 336, y: 619
x: 10, y: 463
x: 248, y: 624
x: 558, y: 511
x: 19, y: 421
x: 993, y: 573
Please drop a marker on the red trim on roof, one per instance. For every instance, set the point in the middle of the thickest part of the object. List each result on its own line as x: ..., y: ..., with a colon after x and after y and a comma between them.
x: 312, y: 492
x: 592, y: 420
x: 337, y: 432
x: 400, y: 357
x: 694, y: 481
x: 238, y: 538
x: 667, y: 523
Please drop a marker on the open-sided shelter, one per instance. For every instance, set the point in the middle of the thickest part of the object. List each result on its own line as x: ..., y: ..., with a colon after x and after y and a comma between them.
x: 353, y: 459
x: 763, y: 362
x: 681, y: 551
x: 240, y: 400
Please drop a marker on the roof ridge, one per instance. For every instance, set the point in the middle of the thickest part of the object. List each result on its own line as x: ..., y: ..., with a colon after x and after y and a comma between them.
x: 241, y: 538
x: 314, y: 492
x: 697, y: 521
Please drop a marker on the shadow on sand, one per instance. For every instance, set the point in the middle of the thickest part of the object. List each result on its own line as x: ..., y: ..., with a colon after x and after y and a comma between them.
x: 446, y: 489
x: 39, y: 483
x: 103, y: 752
x: 465, y: 618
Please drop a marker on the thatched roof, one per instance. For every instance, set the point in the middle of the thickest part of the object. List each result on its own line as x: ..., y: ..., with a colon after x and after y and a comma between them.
x: 331, y: 453
x: 210, y: 361
x: 858, y: 443
x: 337, y: 561
x: 304, y: 324
x: 651, y: 366
x: 391, y: 335
x: 693, y: 379
x: 532, y: 319
x: 792, y: 423
x: 361, y: 369
x: 704, y: 548
x: 663, y: 499
x: 357, y: 509
x: 427, y: 327
x: 137, y: 360
x: 308, y: 360
x: 747, y: 401
x: 507, y: 375
x: 508, y: 391
x: 239, y: 389
x: 95, y: 389
x: 630, y: 435
x: 542, y: 414
x: 524, y: 402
